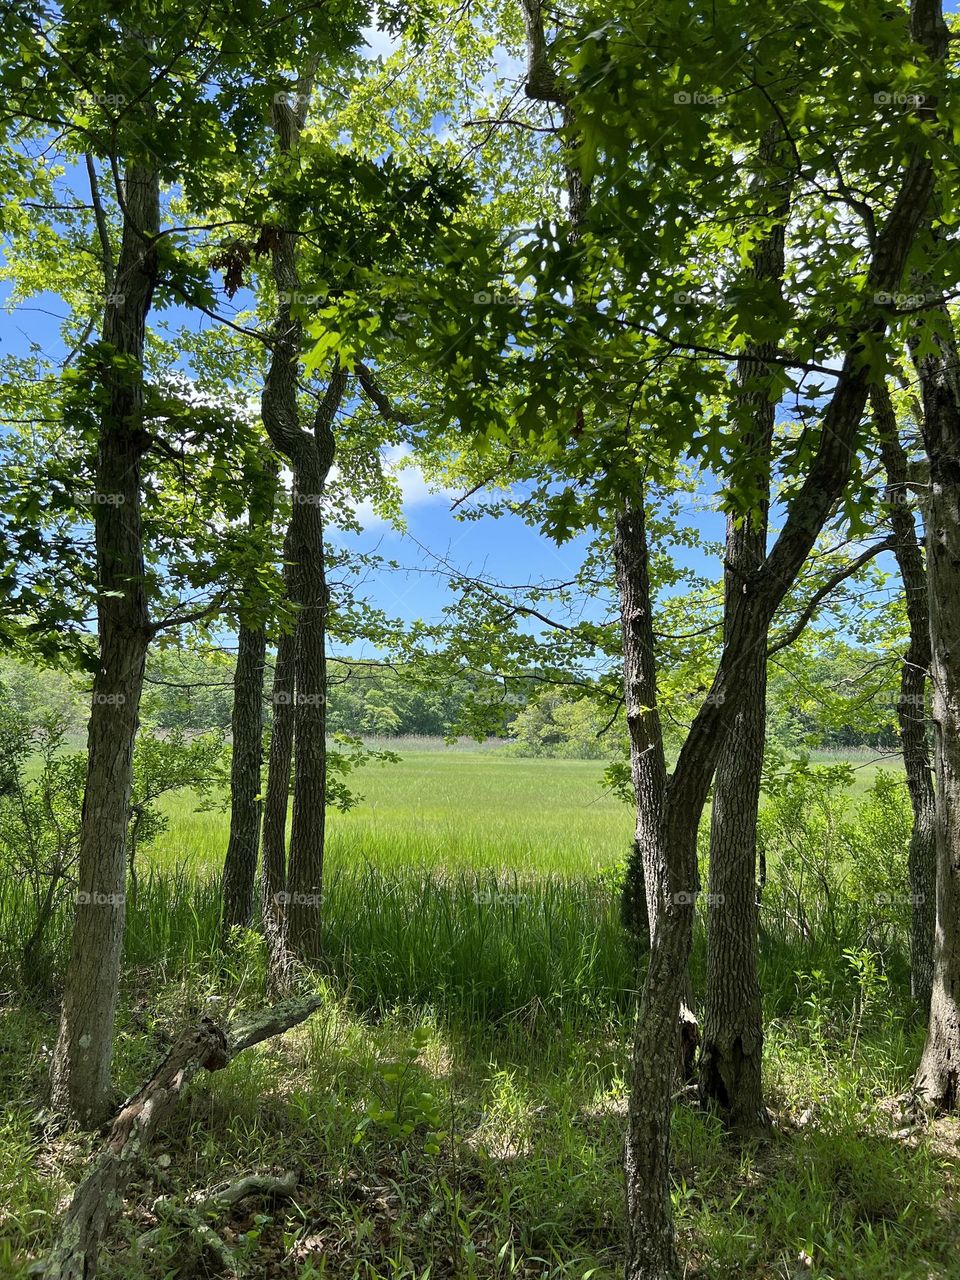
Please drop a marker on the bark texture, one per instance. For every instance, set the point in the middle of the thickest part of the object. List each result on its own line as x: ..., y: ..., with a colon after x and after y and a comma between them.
x: 312, y: 597
x: 243, y: 846
x: 83, y: 1052
x: 938, y: 1077
x: 911, y: 707
x: 732, y: 1050
x: 647, y: 867
x: 98, y: 1200
x: 276, y: 804
x: 310, y: 452
x: 648, y: 768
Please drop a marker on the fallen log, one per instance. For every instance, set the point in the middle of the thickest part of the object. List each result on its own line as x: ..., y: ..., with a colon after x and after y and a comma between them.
x: 262, y: 1185
x: 192, y: 1216
x: 98, y: 1200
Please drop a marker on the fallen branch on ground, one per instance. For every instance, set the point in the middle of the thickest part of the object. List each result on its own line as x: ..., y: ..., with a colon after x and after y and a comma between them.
x: 191, y: 1215
x: 98, y: 1200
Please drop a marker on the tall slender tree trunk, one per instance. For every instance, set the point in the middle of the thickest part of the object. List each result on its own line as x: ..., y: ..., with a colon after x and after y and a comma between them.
x: 938, y: 1077
x: 308, y: 829
x: 648, y: 768
x: 311, y: 454
x: 276, y: 803
x: 911, y: 706
x: 669, y: 904
x: 83, y: 1053
x: 731, y: 1056
x: 243, y: 846
x: 312, y: 596
x: 646, y: 870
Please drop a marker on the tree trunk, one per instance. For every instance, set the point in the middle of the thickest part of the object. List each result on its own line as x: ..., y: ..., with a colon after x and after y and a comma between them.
x: 274, y: 882
x: 311, y: 454
x: 312, y: 596
x: 911, y: 706
x: 646, y: 870
x: 98, y: 1200
x: 670, y: 900
x: 82, y: 1057
x: 938, y: 1077
x: 651, y: 1253
x: 648, y: 769
x: 243, y: 845
x: 731, y: 1057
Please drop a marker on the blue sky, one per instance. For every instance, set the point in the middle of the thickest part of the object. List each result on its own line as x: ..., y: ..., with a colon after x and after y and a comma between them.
x: 503, y: 549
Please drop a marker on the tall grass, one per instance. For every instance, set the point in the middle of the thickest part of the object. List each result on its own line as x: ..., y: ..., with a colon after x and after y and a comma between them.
x: 485, y: 887
x: 456, y: 1107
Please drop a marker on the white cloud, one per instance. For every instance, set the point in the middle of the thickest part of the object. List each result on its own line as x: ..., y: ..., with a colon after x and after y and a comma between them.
x: 380, y: 44
x: 414, y: 488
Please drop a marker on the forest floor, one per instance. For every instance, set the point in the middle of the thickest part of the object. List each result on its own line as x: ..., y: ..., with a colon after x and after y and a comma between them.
x: 456, y: 1106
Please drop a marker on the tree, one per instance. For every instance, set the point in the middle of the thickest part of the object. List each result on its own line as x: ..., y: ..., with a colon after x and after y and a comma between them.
x: 572, y: 366
x: 912, y: 700
x: 732, y: 1044
x: 81, y: 1061
x: 938, y: 1076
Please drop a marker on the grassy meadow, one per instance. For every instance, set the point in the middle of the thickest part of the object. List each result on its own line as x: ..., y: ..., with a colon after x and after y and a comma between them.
x: 456, y: 1107
x: 448, y: 810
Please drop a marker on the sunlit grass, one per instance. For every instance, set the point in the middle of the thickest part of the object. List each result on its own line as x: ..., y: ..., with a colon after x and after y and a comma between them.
x: 456, y: 1109
x: 450, y: 810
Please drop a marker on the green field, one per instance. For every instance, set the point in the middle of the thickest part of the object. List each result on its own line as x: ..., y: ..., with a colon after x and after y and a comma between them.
x: 449, y: 810
x: 455, y: 809
x: 457, y: 1105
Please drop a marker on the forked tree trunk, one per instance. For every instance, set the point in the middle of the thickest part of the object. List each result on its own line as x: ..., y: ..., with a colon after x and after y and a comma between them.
x: 911, y: 705
x: 651, y: 1251
x: 82, y: 1057
x: 243, y: 846
x: 311, y: 454
x: 731, y: 1056
x: 938, y: 1077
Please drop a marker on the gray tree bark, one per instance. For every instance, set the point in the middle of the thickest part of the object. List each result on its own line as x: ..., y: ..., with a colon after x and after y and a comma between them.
x: 312, y: 596
x: 647, y: 869
x: 310, y: 452
x: 276, y: 804
x: 938, y: 1078
x: 83, y: 1052
x: 243, y: 846
x: 911, y: 706
x: 731, y: 1054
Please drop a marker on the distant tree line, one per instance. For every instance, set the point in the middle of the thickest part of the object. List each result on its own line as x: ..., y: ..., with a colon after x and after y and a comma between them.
x: 826, y: 705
